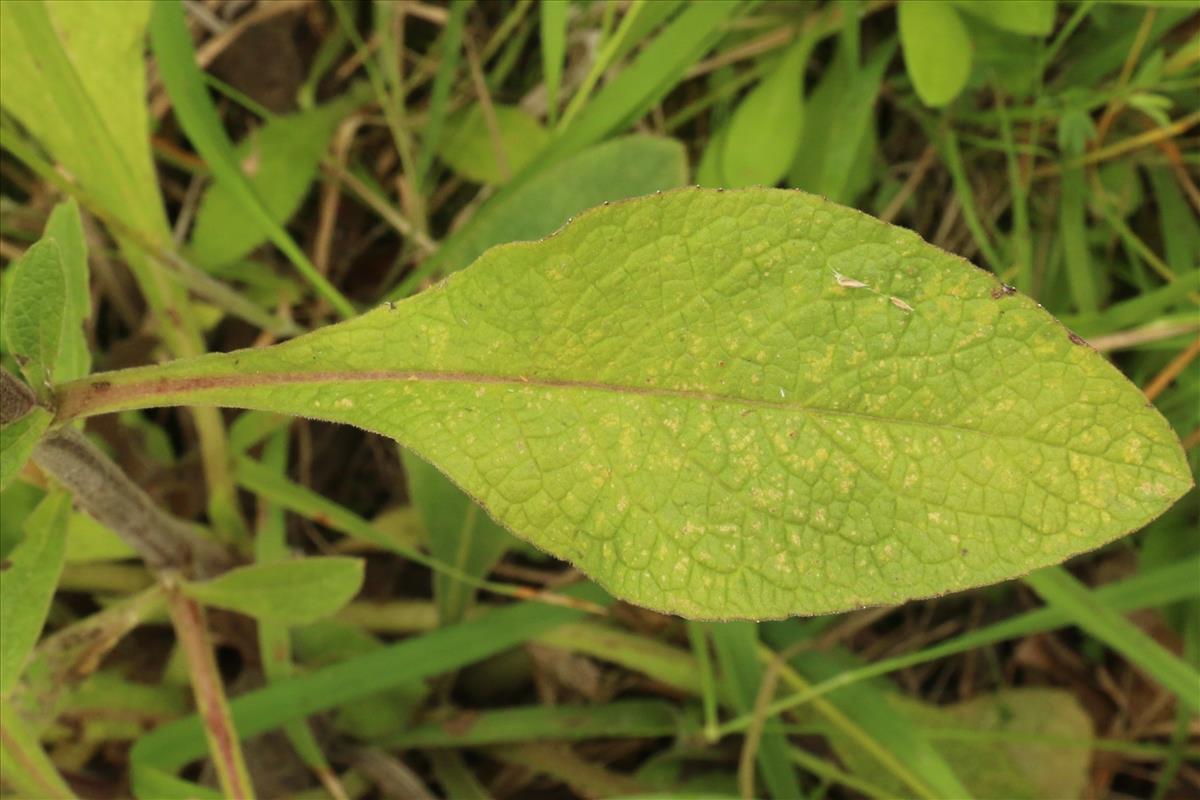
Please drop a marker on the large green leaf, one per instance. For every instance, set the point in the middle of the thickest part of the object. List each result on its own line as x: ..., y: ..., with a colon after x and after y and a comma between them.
x: 732, y: 404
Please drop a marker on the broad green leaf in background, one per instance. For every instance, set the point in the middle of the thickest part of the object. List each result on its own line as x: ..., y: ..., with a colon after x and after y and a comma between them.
x: 937, y: 50
x: 279, y: 160
x: 554, y: 50
x: 470, y: 149
x: 66, y: 228
x: 17, y: 440
x: 732, y: 404
x: 1029, y: 17
x: 836, y: 153
x: 35, y: 313
x: 460, y: 534
x: 882, y: 740
x: 616, y: 170
x: 27, y: 584
x: 709, y: 172
x: 764, y: 133
x: 295, y: 592
x: 736, y: 646
x: 1016, y: 744
x: 184, y: 80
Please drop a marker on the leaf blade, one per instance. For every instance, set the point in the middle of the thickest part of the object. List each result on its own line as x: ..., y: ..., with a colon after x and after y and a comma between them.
x: 17, y: 440
x: 734, y: 404
x: 66, y: 228
x: 937, y: 50
x: 35, y: 313
x: 295, y: 592
x: 28, y: 584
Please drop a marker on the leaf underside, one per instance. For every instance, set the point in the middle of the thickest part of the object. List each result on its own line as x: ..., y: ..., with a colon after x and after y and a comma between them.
x: 740, y: 404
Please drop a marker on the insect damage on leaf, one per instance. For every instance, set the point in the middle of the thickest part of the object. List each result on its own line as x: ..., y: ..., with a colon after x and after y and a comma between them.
x: 673, y: 394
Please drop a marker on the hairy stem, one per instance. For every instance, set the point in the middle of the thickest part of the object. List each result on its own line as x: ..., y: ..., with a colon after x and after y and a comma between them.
x: 106, y: 493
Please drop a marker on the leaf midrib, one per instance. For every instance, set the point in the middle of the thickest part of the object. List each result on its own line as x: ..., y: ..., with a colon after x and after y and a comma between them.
x: 95, y: 395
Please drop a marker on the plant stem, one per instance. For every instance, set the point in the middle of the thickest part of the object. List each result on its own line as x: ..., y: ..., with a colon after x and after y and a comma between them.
x: 191, y: 627
x: 107, y: 494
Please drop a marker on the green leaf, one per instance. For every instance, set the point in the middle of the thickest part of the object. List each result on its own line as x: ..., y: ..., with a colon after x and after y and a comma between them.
x: 27, y: 584
x: 74, y: 76
x: 89, y: 541
x: 1029, y: 17
x: 16, y: 504
x: 17, y: 440
x: 709, y: 172
x: 295, y: 592
x: 732, y: 404
x: 279, y: 161
x: 470, y: 148
x: 736, y: 646
x: 184, y: 81
x: 837, y: 151
x: 764, y: 133
x: 35, y: 313
x: 615, y: 170
x: 861, y: 722
x: 1017, y: 743
x: 66, y: 228
x: 553, y: 28
x: 937, y: 50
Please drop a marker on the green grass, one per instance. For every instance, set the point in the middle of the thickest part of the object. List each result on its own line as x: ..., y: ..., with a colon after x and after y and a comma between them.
x: 1065, y: 165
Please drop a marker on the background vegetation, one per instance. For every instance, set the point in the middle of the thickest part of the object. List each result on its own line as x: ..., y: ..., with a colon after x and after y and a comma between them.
x: 314, y: 158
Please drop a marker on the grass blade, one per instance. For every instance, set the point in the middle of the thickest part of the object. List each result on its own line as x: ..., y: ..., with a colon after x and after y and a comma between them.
x: 176, y: 59
x: 1064, y: 592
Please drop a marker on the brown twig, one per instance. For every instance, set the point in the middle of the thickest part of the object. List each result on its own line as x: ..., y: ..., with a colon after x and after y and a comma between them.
x: 192, y: 629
